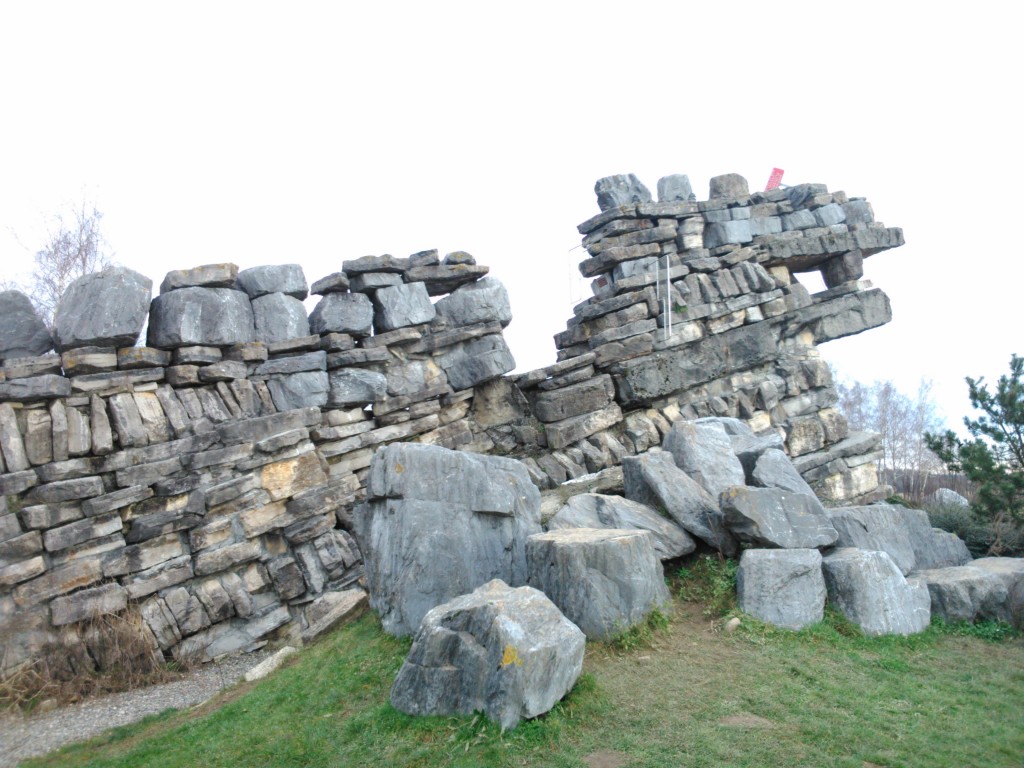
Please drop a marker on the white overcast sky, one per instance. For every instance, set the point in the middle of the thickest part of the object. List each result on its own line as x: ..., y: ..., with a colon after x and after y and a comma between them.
x: 263, y: 133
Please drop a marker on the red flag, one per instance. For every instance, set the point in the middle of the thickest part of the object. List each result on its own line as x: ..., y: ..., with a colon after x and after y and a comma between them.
x: 775, y: 179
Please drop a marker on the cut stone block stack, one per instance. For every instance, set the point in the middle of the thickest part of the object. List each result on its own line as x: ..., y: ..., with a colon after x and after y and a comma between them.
x: 220, y: 467
x: 698, y: 312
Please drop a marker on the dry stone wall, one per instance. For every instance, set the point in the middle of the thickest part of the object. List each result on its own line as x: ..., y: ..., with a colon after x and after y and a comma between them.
x: 207, y: 480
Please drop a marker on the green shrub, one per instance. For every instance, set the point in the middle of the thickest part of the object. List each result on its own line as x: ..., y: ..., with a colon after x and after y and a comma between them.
x: 711, y: 580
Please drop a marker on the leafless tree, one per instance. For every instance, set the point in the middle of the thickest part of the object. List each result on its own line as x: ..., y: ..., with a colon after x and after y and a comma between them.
x: 74, y: 246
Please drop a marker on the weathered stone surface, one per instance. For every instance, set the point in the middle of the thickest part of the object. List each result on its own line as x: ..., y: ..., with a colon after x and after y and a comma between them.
x: 369, y: 282
x: 879, y: 527
x: 38, y: 437
x: 215, y: 560
x: 308, y: 361
x: 45, y: 387
x: 595, y: 510
x: 279, y: 317
x: 618, y: 190
x: 57, y: 581
x: 81, y: 530
x: 336, y: 282
x: 198, y: 316
x: 356, y: 386
x: 773, y: 469
x: 23, y: 570
x: 398, y: 306
x: 728, y: 185
x: 350, y: 313
x: 949, y: 498
x: 307, y: 389
x: 88, y: 603
x: 568, y: 431
x: 966, y: 593
x: 653, y: 479
x: 870, y: 591
x: 438, y: 524
x: 704, y: 452
x: 933, y: 547
x: 476, y: 361
x: 161, y: 622
x: 440, y: 279
x: 331, y: 610
x: 508, y: 653
x: 771, y: 517
x: 784, y: 587
x: 65, y: 490
x: 575, y: 400
x: 11, y: 442
x: 188, y: 612
x: 484, y: 301
x: 603, y: 580
x: 85, y: 360
x: 102, y: 309
x: 23, y: 333
x: 207, y: 275
x: 288, y: 279
x: 675, y: 187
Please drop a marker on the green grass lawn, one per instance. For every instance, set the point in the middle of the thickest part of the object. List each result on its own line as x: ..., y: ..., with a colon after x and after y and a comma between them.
x: 693, y: 696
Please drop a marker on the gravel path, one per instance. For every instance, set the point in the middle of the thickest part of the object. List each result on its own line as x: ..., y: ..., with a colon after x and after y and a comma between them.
x: 24, y: 737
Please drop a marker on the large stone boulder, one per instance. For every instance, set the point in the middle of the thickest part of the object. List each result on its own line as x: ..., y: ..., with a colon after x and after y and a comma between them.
x: 773, y: 469
x: 784, y: 587
x: 102, y: 309
x: 279, y: 317
x: 193, y: 316
x: 484, y: 301
x: 653, y: 479
x: 398, y: 306
x: 880, y: 527
x: 771, y: 517
x: 304, y: 389
x: 621, y: 189
x: 870, y: 591
x: 276, y: 278
x: 22, y: 333
x: 704, y: 452
x: 949, y: 498
x: 507, y: 652
x: 597, y: 510
x: 437, y: 524
x: 933, y: 547
x: 966, y: 593
x: 604, y: 580
x: 350, y: 313
x: 476, y: 361
x: 356, y: 386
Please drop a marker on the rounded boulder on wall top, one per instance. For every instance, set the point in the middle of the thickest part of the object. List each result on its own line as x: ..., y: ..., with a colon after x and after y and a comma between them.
x: 200, y: 316
x: 22, y: 333
x: 102, y: 309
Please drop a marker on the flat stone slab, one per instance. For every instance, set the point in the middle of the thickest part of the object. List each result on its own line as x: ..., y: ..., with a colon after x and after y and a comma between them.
x: 509, y: 653
x: 782, y: 587
x: 597, y: 510
x: 604, y: 580
x: 770, y: 517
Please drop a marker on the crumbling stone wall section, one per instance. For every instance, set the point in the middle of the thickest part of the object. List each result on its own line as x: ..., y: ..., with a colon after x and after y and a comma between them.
x: 208, y: 479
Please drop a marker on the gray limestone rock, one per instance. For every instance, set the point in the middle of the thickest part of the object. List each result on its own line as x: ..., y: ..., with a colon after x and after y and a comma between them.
x: 356, y: 386
x: 771, y: 517
x: 336, y: 282
x: 279, y: 317
x: 675, y: 187
x: 966, y: 593
x: 205, y: 276
x: 200, y: 316
x: 445, y: 278
x: 622, y: 189
x: 279, y: 278
x: 880, y: 527
x: 783, y: 587
x: 22, y: 333
x: 350, y: 313
x: 102, y: 309
x: 949, y: 498
x: 604, y: 580
x: 704, y: 452
x: 439, y: 523
x: 749, y: 449
x: 509, y: 653
x: 476, y: 361
x: 589, y: 395
x: 299, y: 390
x: 773, y: 469
x: 653, y: 479
x: 933, y: 547
x: 870, y: 591
x: 596, y: 510
x: 484, y: 301
x: 728, y: 185
x: 398, y: 306
x: 45, y: 387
